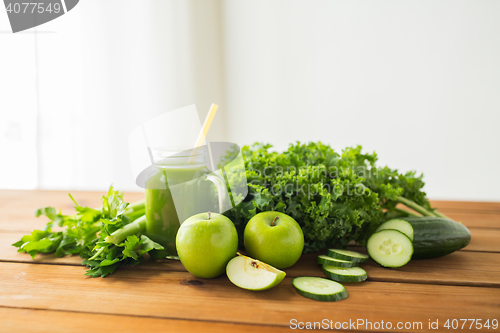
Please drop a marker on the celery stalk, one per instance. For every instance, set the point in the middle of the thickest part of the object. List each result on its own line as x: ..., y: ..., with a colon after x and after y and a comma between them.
x: 134, y: 228
x: 415, y: 206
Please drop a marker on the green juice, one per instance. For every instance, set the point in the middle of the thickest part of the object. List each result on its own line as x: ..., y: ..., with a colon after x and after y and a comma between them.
x: 193, y: 194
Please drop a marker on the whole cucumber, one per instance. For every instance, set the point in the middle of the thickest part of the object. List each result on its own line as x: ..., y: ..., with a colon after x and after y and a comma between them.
x: 436, y: 237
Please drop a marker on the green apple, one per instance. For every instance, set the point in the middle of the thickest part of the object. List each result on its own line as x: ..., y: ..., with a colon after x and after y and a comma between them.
x: 274, y: 238
x: 205, y: 243
x: 252, y: 274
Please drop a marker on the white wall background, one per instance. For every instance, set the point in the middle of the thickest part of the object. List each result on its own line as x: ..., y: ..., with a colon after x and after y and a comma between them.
x: 416, y: 81
x: 92, y: 76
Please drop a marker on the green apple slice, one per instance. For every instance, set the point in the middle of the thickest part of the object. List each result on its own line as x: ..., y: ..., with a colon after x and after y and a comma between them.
x: 252, y: 274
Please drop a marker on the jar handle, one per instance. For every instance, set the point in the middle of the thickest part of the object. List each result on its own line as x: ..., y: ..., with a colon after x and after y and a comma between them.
x: 220, y: 185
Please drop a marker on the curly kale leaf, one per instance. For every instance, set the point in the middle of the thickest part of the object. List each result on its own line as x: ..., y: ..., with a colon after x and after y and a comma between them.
x: 335, y: 198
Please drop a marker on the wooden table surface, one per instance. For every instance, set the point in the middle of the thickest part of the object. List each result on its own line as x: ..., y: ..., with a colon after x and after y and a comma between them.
x: 52, y: 295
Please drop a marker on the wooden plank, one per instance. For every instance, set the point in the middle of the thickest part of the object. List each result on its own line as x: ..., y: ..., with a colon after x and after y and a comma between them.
x: 174, y: 295
x: 23, y: 220
x: 20, y: 223
x: 59, y: 198
x: 484, y: 239
x: 31, y: 320
x: 20, y: 199
x: 87, y: 198
x: 472, y: 218
x: 477, y: 220
x: 460, y: 268
x: 461, y: 206
x: 17, y: 207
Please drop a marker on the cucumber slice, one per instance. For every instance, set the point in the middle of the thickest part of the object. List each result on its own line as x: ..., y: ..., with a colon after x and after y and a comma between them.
x: 347, y: 255
x: 343, y: 274
x: 326, y: 260
x: 319, y: 289
x: 390, y: 248
x: 401, y: 225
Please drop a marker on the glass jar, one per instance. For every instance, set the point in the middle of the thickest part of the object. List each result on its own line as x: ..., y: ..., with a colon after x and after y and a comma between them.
x: 179, y: 186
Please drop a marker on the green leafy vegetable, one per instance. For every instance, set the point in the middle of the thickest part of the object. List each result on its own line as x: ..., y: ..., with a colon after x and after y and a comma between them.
x: 106, y: 238
x: 336, y: 198
x: 78, y: 230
